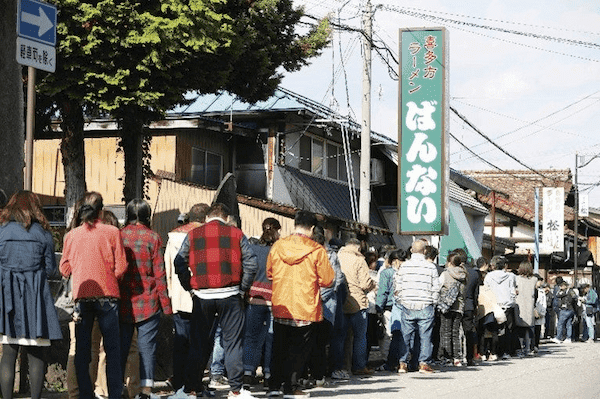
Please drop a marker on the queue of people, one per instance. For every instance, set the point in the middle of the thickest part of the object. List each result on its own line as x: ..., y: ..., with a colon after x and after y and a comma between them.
x: 305, y: 308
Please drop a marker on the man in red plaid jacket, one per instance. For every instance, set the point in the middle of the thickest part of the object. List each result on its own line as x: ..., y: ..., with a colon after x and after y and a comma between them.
x: 217, y: 265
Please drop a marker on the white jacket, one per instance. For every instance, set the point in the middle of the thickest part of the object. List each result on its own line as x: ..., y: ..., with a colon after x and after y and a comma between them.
x: 181, y: 300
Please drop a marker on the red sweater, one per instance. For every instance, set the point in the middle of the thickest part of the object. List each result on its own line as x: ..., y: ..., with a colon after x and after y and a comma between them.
x: 96, y: 258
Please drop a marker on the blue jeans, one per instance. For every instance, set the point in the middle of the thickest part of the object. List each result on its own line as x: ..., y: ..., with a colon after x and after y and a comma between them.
x: 107, y: 313
x: 565, y: 318
x: 423, y: 321
x: 217, y: 367
x: 259, y: 332
x: 147, y: 337
x: 358, y: 323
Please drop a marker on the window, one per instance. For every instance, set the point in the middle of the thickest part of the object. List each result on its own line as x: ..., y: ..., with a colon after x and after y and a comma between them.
x: 206, y: 167
x: 322, y: 158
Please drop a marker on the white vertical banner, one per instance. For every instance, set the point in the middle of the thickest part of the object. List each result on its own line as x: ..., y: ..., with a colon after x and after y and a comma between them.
x: 584, y: 205
x: 553, y: 230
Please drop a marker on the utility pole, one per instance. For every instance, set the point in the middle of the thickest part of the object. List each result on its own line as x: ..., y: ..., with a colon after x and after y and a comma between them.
x: 576, y: 227
x: 365, y: 136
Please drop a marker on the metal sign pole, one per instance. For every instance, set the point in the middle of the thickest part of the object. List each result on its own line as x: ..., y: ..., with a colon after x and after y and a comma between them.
x: 30, y: 125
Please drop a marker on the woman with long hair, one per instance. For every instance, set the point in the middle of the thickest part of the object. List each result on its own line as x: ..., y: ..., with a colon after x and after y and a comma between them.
x: 143, y: 290
x: 29, y: 318
x: 455, y: 275
x: 93, y: 254
x: 259, y: 318
x: 524, y: 314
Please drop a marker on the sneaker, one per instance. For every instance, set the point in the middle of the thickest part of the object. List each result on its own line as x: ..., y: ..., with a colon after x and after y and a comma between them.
x: 180, y: 394
x: 340, y: 375
x: 424, y: 368
x: 568, y: 341
x: 556, y: 340
x: 322, y: 383
x: 457, y: 363
x: 248, y: 381
x: 492, y: 358
x: 274, y: 394
x: 483, y: 358
x: 363, y: 371
x: 590, y: 341
x: 506, y: 356
x: 296, y: 395
x: 219, y: 382
x: 403, y: 368
x: 241, y: 394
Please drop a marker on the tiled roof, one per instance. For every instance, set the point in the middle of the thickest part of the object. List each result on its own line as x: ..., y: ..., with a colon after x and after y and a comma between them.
x: 516, y: 189
x: 464, y: 199
x: 324, y: 196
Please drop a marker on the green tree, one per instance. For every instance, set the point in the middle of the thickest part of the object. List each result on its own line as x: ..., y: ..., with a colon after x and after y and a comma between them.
x: 134, y: 60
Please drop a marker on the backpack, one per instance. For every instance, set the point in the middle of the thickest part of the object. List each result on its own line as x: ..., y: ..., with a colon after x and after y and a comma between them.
x: 448, y: 297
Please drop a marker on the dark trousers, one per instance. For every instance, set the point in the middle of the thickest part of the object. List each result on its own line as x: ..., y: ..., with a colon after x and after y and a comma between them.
x: 229, y: 313
x: 509, y: 342
x: 291, y: 348
x: 469, y: 328
x: 181, y: 349
x: 318, y: 357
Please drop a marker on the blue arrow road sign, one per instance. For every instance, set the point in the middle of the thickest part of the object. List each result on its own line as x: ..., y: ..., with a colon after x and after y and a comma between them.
x: 36, y: 20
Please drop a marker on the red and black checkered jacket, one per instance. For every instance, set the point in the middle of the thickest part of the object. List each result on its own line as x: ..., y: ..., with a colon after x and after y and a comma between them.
x: 144, y: 285
x: 215, y: 256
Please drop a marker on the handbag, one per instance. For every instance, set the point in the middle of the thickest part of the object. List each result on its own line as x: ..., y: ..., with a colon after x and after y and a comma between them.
x: 448, y: 297
x: 64, y: 303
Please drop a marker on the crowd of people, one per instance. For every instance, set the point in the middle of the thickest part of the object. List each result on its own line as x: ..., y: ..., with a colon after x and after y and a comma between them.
x: 304, y: 309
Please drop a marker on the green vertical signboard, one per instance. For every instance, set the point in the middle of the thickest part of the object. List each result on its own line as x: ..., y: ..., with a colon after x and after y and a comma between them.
x: 422, y: 150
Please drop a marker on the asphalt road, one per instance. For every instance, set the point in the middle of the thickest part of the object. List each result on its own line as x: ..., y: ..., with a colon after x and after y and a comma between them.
x: 565, y: 371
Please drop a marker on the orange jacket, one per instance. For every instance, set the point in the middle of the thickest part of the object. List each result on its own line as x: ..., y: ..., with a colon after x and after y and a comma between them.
x: 298, y: 267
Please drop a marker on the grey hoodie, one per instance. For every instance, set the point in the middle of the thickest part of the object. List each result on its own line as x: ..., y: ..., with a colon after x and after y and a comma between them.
x: 504, y: 285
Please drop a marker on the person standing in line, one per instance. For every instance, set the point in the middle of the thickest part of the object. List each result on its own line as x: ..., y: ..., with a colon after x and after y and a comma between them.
x: 390, y: 344
x: 504, y: 285
x: 181, y: 304
x: 318, y: 360
x: 94, y: 254
x: 29, y: 319
x: 298, y: 267
x: 452, y: 279
x: 418, y: 291
x: 259, y: 316
x: 541, y: 307
x: 360, y: 283
x: 566, y: 302
x: 143, y: 290
x: 590, y: 307
x: 217, y: 264
x: 469, y: 321
x: 525, y: 304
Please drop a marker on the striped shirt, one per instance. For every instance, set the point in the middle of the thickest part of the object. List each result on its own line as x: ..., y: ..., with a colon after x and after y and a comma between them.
x: 416, y: 283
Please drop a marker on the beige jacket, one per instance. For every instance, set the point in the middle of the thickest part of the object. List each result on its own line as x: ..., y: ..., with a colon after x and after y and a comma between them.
x: 357, y: 275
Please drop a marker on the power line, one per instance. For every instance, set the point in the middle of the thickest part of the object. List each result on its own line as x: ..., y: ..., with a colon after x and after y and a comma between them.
x: 502, y: 30
x: 465, y: 120
x: 534, y: 123
x: 504, y: 21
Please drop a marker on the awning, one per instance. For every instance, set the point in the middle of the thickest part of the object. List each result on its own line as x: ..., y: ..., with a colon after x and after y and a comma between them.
x: 460, y: 235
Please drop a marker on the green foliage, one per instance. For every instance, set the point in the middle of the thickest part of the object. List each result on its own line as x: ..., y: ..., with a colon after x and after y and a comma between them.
x: 136, y: 59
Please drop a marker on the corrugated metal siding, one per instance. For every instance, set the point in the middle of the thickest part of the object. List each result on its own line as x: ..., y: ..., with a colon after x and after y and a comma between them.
x: 175, y: 198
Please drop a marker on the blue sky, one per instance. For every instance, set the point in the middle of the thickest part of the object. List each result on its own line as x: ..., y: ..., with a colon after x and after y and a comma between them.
x: 537, y: 97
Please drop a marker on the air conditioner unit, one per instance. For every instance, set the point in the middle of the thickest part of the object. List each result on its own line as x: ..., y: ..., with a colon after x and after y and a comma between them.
x: 377, y: 172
